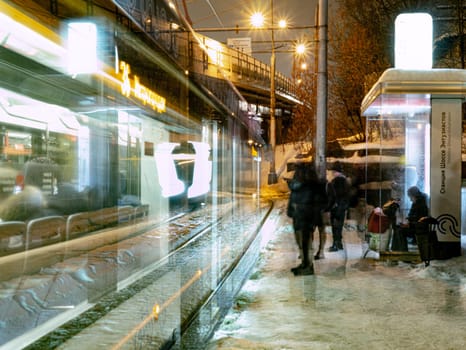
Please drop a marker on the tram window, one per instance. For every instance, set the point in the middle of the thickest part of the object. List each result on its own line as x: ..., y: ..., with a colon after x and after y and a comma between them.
x: 148, y: 148
x: 44, y: 174
x: 20, y: 148
x: 16, y: 146
x: 7, y: 179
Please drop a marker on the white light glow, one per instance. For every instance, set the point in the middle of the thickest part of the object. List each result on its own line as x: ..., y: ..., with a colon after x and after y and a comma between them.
x: 257, y: 20
x: 25, y: 111
x: 215, y: 52
x: 82, y: 48
x: 21, y: 39
x: 168, y: 179
x: 427, y: 143
x: 202, y: 174
x: 300, y: 49
x: 413, y: 41
x: 129, y: 128
x: 83, y: 158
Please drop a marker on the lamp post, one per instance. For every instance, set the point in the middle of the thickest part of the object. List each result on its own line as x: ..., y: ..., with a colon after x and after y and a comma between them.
x: 298, y: 61
x: 272, y: 178
x: 257, y: 21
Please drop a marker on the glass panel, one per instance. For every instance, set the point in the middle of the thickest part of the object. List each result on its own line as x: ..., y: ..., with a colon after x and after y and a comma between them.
x: 398, y: 144
x: 102, y: 195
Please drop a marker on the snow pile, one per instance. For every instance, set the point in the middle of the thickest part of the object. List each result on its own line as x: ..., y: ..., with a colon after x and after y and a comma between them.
x: 451, y: 271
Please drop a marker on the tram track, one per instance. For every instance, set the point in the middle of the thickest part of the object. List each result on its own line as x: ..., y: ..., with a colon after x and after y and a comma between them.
x: 102, y: 300
x: 193, y: 333
x: 147, y: 286
x: 30, y: 278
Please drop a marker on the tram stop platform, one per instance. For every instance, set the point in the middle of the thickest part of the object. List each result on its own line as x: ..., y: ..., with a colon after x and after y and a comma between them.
x: 351, y: 301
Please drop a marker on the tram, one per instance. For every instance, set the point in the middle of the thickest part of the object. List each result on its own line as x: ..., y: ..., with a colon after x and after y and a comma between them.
x: 93, y: 159
x: 92, y: 141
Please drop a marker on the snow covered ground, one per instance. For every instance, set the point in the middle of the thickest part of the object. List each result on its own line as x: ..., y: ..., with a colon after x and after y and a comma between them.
x: 350, y: 302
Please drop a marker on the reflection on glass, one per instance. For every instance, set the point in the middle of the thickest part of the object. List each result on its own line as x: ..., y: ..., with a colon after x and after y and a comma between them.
x: 98, y: 190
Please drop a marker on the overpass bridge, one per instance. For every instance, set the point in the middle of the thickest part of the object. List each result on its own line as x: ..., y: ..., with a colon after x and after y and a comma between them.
x: 248, y: 76
x: 236, y: 80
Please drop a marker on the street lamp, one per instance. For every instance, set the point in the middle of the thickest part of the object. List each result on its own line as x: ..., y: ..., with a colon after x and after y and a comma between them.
x: 300, y: 49
x: 299, y: 54
x: 272, y: 178
x: 257, y: 20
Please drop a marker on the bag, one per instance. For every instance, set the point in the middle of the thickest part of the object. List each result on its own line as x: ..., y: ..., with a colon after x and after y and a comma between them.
x: 390, y: 208
x: 378, y: 222
x: 399, y: 241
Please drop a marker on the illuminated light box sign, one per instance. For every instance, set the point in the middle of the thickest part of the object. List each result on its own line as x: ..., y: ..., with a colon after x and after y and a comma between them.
x: 133, y: 87
x: 413, y: 41
x: 82, y: 37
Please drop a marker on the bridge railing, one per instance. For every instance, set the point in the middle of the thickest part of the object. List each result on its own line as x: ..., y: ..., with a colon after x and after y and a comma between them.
x: 212, y: 58
x: 199, y: 53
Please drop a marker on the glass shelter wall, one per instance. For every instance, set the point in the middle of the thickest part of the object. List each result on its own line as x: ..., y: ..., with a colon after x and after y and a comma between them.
x: 398, y: 143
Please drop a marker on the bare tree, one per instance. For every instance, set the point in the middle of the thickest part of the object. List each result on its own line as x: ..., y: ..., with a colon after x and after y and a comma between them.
x: 303, y: 123
x: 361, y: 47
x: 356, y: 59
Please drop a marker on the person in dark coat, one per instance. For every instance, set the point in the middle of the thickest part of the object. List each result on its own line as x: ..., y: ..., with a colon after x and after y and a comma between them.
x: 307, y: 201
x: 339, y: 195
x: 418, y: 210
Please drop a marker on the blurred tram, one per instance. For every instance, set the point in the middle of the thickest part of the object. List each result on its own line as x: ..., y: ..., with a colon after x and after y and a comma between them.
x: 89, y: 159
x: 48, y: 150
x: 71, y: 144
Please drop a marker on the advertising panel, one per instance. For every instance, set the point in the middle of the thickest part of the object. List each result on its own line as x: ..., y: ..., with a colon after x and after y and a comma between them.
x: 446, y: 168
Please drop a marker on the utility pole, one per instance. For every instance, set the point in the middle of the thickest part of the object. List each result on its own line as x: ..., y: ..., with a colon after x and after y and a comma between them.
x: 322, y: 85
x: 272, y: 178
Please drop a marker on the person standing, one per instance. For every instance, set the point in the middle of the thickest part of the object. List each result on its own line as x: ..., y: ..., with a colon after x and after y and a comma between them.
x: 339, y: 192
x: 307, y: 201
x: 418, y: 210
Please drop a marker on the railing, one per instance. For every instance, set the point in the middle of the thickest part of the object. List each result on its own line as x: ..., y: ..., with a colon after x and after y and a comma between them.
x: 217, y: 60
